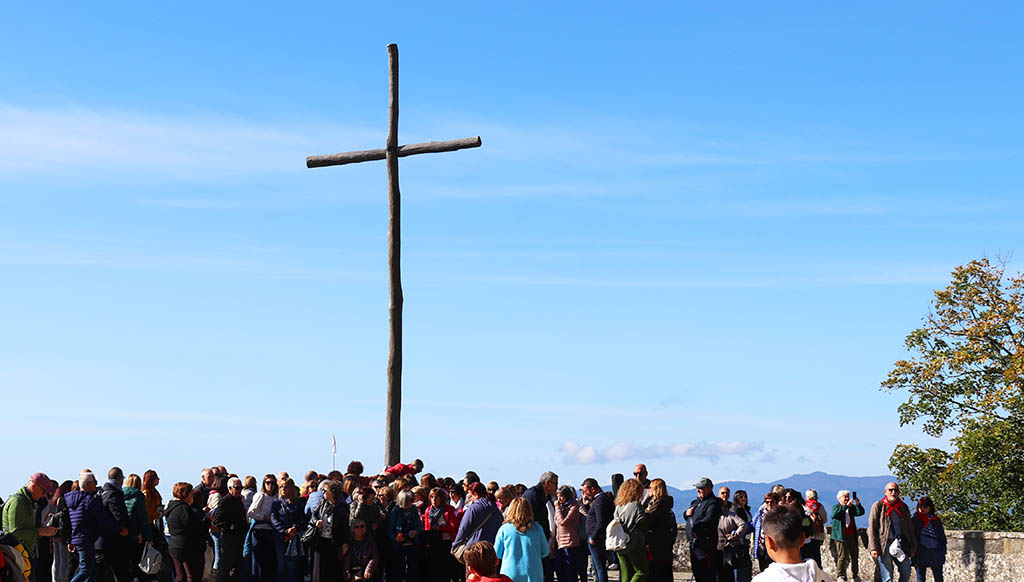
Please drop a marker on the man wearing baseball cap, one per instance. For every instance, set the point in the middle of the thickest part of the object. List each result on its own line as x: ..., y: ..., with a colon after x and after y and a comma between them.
x: 20, y: 513
x: 704, y: 512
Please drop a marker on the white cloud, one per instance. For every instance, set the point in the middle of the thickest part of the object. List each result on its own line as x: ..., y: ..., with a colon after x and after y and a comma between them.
x: 36, y: 140
x: 576, y: 454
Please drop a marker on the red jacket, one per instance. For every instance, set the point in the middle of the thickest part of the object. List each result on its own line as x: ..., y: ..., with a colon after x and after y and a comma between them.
x: 400, y: 469
x: 449, y: 525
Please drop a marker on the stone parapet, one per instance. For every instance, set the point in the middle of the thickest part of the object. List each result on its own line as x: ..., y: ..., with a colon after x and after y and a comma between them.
x: 972, y: 556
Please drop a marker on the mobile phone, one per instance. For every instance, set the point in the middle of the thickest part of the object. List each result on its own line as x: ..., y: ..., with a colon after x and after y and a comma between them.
x: 854, y: 494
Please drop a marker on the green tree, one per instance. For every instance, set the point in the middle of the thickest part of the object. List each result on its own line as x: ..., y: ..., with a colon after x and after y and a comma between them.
x: 966, y: 379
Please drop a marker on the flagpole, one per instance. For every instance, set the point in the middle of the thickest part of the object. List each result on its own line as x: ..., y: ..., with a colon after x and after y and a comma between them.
x: 334, y: 453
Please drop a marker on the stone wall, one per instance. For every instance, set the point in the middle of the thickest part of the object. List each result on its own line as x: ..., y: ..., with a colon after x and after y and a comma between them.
x: 973, y: 556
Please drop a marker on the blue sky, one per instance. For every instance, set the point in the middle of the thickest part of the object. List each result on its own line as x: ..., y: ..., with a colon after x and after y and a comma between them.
x: 695, y: 235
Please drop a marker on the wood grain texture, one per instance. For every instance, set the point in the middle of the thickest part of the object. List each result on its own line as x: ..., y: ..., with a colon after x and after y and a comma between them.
x: 393, y: 431
x: 429, y: 147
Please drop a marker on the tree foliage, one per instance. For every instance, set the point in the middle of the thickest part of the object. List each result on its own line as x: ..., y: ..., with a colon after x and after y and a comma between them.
x: 967, y: 379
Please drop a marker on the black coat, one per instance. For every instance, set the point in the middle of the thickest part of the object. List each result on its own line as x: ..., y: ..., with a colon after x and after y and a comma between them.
x: 661, y: 525
x: 339, y: 525
x: 538, y: 500
x: 112, y: 499
x: 599, y: 516
x: 705, y: 523
x: 230, y: 515
x: 188, y: 528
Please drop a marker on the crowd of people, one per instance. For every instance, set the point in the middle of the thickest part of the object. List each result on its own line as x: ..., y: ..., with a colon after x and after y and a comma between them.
x: 403, y: 525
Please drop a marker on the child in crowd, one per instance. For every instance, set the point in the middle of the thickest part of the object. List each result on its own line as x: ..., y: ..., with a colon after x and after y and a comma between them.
x: 483, y: 563
x: 784, y: 536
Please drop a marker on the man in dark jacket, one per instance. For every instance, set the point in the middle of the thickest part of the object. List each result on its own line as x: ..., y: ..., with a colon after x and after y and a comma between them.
x: 538, y: 496
x: 87, y: 519
x: 114, y: 552
x: 600, y: 507
x: 230, y: 518
x: 704, y: 514
x: 201, y: 493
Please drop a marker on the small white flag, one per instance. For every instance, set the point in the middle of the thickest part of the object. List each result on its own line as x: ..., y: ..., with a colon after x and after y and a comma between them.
x: 334, y: 445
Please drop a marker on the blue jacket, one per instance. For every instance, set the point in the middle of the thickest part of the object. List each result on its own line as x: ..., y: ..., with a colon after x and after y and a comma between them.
x: 404, y: 521
x: 931, y: 543
x: 483, y: 511
x: 284, y: 516
x: 312, y: 501
x: 539, y: 503
x: 88, y: 519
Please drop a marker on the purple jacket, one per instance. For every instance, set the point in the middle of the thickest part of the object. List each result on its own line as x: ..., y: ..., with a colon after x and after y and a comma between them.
x: 88, y: 519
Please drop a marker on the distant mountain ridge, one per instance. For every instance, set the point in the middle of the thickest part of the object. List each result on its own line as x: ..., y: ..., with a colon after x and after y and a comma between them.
x: 869, y: 489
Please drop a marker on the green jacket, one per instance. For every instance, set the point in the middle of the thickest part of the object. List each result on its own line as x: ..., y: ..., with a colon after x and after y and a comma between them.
x: 839, y: 516
x: 20, y: 519
x: 135, y: 501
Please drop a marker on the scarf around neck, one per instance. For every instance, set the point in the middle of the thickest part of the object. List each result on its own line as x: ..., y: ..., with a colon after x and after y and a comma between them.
x: 891, y: 507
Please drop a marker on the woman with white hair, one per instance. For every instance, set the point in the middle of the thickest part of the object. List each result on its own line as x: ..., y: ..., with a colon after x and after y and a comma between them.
x: 404, y: 528
x: 816, y: 513
x: 331, y: 519
x: 844, y: 534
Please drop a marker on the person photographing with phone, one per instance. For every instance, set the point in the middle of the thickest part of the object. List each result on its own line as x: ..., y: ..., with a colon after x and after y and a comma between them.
x: 844, y: 534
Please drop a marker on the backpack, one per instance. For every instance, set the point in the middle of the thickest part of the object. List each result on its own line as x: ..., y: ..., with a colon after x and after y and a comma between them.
x: 616, y: 538
x: 817, y: 522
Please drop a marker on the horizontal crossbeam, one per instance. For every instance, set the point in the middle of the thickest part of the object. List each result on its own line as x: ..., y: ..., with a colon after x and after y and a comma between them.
x: 430, y: 147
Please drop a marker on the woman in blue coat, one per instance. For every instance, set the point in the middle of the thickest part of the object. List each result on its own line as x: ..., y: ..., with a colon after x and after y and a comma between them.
x: 931, y: 541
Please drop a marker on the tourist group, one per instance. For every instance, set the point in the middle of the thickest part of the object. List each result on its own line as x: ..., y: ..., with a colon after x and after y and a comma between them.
x: 404, y: 525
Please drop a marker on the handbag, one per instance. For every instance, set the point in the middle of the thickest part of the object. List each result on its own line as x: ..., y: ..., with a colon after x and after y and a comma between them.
x: 736, y: 557
x: 150, y: 561
x: 311, y: 536
x: 615, y: 537
x: 458, y: 550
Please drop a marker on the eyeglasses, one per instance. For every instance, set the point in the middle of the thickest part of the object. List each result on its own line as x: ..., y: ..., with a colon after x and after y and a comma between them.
x: 359, y: 527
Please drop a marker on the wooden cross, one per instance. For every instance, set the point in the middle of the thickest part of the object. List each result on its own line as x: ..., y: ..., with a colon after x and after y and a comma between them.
x: 391, y: 153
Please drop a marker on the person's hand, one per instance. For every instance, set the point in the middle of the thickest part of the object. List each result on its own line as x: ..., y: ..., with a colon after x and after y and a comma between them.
x: 124, y: 531
x: 71, y: 548
x: 140, y: 538
x: 591, y: 540
x: 874, y: 554
x: 400, y: 537
x: 47, y: 531
x: 344, y: 549
x: 412, y: 534
x: 319, y: 523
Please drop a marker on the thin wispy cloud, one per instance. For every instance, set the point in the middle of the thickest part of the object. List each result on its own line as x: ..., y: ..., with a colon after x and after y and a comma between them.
x: 576, y: 454
x: 38, y: 140
x: 200, y: 145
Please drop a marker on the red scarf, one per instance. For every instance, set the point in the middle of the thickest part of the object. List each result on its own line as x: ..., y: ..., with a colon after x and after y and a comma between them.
x: 926, y: 518
x: 891, y: 507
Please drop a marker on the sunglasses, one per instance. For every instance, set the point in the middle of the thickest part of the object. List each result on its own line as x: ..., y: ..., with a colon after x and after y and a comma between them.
x: 359, y: 527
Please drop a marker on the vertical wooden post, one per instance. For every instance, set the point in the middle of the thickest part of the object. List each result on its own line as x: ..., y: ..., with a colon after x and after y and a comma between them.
x: 393, y: 435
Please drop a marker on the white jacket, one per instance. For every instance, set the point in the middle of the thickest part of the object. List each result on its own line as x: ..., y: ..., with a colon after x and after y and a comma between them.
x: 806, y: 571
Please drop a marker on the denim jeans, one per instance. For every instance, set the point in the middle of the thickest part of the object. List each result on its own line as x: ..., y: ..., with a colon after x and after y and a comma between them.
x: 887, y: 566
x: 86, y: 564
x: 599, y: 557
